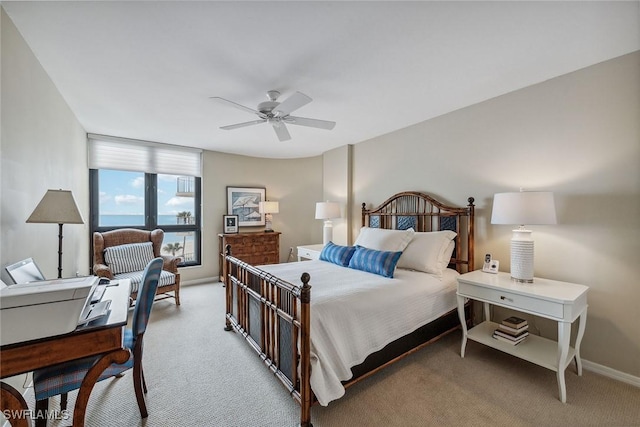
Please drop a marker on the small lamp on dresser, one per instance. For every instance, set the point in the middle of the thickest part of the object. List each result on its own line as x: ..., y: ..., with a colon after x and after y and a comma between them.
x: 268, y: 208
x: 524, y: 207
x: 327, y: 211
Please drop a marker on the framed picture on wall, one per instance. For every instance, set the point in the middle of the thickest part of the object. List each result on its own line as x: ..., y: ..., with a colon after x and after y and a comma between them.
x: 230, y: 224
x: 244, y: 202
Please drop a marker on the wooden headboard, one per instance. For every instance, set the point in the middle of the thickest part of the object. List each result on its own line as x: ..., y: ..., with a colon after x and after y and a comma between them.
x: 412, y: 209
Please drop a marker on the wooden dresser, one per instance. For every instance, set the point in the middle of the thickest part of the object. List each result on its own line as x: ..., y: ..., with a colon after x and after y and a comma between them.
x: 253, y: 248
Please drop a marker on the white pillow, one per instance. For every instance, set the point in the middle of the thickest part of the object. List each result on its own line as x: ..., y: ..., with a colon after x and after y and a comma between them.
x: 445, y: 256
x: 429, y: 252
x: 382, y: 239
x: 129, y: 257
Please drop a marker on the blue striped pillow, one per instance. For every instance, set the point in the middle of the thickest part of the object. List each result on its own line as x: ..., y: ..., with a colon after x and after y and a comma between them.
x: 372, y: 261
x: 337, y: 254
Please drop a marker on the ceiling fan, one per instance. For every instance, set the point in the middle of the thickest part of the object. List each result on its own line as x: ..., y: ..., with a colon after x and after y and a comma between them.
x: 277, y: 114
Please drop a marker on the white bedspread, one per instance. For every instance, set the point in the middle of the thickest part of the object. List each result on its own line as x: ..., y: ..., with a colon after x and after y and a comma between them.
x: 354, y: 313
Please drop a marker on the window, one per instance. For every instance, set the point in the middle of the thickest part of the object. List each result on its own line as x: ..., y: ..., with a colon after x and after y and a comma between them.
x: 123, y: 199
x: 146, y: 195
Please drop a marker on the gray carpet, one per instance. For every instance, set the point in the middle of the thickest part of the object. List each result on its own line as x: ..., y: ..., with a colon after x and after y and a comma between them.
x: 200, y: 375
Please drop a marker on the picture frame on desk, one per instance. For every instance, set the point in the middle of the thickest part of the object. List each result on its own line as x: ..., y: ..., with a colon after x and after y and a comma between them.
x: 230, y: 224
x: 244, y: 202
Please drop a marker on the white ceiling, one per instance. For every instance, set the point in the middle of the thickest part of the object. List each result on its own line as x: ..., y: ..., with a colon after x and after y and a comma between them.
x: 146, y: 70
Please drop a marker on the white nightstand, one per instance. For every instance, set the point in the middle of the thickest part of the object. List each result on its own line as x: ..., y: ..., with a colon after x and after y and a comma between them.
x: 309, y: 252
x: 559, y: 301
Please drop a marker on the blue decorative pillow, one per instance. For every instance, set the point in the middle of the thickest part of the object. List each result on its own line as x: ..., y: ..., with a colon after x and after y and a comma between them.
x: 372, y: 261
x: 337, y: 254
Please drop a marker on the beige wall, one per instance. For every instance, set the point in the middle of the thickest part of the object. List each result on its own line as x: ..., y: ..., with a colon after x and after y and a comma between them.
x: 336, y: 179
x: 43, y: 147
x: 577, y: 135
x: 295, y: 184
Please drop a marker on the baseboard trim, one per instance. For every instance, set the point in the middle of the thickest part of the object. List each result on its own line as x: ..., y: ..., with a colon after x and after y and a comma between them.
x: 611, y: 373
x: 203, y: 281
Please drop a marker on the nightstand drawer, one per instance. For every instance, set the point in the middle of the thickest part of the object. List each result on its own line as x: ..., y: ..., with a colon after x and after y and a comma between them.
x: 509, y: 299
x: 307, y: 253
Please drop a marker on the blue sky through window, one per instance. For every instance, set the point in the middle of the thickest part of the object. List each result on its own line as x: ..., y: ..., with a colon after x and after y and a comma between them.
x: 122, y: 193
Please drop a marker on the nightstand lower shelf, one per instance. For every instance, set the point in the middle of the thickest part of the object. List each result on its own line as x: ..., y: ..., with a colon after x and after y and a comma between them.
x: 534, y: 349
x: 561, y: 302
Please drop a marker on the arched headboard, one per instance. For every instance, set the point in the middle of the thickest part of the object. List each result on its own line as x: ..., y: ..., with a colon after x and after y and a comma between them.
x: 423, y: 213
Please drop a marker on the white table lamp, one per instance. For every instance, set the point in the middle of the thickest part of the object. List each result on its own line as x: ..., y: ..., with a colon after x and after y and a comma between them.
x: 327, y: 210
x: 524, y: 207
x: 268, y: 208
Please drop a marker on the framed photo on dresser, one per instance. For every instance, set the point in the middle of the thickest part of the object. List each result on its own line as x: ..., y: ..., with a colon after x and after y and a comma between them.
x: 230, y: 224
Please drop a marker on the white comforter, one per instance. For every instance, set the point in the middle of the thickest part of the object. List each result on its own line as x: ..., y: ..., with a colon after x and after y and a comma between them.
x: 354, y: 313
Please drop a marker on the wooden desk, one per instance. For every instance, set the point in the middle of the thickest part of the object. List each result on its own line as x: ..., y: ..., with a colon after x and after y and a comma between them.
x: 102, y: 337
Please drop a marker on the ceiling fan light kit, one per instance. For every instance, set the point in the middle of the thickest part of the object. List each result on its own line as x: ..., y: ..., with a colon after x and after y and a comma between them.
x: 277, y: 114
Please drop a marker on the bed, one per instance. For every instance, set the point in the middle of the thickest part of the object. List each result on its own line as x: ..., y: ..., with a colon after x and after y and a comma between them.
x: 389, y: 294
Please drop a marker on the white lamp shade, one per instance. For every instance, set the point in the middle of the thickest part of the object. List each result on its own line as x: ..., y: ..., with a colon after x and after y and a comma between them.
x: 57, y: 207
x: 524, y: 207
x: 327, y: 210
x: 268, y: 207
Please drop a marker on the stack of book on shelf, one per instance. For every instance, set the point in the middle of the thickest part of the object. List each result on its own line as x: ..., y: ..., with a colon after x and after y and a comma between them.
x: 512, y: 330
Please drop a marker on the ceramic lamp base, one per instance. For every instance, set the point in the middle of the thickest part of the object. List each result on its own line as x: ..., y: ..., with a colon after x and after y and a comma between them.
x: 522, y: 256
x: 327, y: 232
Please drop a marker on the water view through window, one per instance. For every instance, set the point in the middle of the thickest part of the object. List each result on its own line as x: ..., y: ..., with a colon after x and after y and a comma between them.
x: 122, y: 203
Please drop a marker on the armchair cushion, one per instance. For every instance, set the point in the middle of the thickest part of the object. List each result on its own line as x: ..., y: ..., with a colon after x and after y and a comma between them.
x: 166, y: 279
x: 129, y: 257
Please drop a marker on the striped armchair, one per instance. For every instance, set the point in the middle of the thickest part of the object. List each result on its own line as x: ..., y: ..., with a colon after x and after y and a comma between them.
x: 123, y: 254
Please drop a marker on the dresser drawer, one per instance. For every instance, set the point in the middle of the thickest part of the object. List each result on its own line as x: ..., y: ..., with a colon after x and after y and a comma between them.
x: 510, y: 299
x: 252, y: 248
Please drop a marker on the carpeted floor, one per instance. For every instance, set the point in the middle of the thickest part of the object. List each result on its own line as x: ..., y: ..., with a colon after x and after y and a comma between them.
x: 200, y: 375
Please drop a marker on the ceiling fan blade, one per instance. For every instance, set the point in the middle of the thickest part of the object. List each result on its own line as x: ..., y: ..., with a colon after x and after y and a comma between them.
x: 292, y: 103
x: 281, y: 130
x: 241, y: 125
x: 235, y: 104
x: 315, y: 123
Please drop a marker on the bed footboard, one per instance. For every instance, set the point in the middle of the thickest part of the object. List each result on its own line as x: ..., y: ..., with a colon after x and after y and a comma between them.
x: 274, y: 317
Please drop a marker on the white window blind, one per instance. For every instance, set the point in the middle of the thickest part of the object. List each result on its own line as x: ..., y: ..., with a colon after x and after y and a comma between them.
x: 108, y: 152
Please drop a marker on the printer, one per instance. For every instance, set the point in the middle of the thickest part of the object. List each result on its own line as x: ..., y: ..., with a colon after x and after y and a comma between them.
x: 29, y: 311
